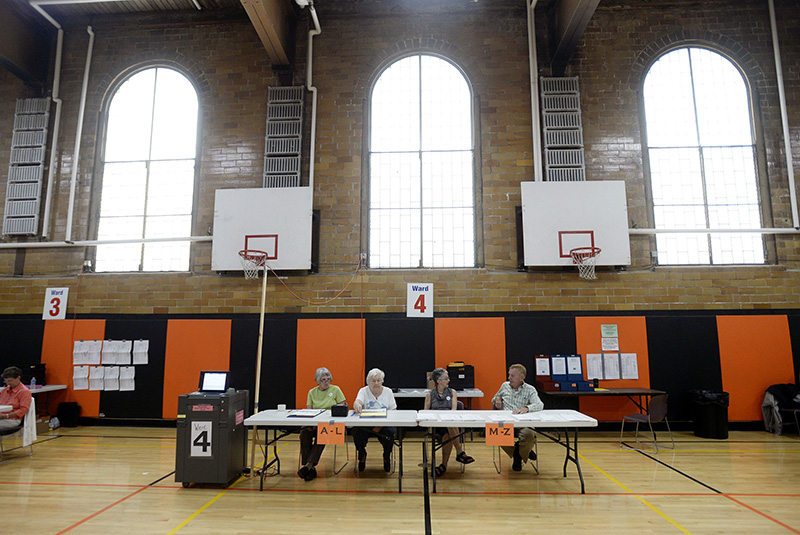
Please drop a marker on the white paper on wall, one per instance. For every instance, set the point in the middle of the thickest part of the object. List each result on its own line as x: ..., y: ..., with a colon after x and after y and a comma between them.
x: 123, y: 352
x: 80, y: 378
x: 111, y: 378
x: 93, y: 352
x: 140, y: 350
x: 630, y: 366
x: 96, y: 378
x: 109, y: 352
x: 127, y: 375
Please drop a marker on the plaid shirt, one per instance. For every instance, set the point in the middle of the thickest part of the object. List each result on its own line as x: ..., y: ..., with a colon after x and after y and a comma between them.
x: 524, y: 396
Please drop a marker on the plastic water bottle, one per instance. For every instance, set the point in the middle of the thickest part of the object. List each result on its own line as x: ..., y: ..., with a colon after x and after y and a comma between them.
x: 33, y: 383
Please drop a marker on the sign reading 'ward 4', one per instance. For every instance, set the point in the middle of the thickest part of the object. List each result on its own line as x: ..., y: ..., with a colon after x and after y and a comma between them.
x: 419, y: 302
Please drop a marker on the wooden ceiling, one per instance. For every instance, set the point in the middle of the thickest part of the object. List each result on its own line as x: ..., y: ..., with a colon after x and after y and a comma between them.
x: 273, y: 20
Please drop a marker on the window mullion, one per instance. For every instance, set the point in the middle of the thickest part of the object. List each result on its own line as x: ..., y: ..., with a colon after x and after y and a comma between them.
x: 421, y: 177
x: 148, y: 168
x: 700, y: 156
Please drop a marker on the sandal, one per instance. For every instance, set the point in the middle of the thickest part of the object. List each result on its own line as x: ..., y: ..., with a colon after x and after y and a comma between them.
x: 463, y: 458
x: 441, y: 469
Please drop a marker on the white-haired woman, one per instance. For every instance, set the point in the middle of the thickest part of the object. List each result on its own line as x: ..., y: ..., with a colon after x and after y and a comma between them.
x: 374, y: 396
x: 445, y: 398
x: 323, y: 396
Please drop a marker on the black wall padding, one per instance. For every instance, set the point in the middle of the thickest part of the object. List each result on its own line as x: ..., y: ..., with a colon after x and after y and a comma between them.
x: 794, y: 334
x: 527, y: 336
x: 403, y: 348
x: 278, y: 359
x: 146, y: 401
x: 21, y: 341
x: 684, y: 356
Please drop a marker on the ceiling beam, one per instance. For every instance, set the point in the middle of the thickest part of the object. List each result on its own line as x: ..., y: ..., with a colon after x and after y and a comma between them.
x: 272, y: 21
x: 570, y: 21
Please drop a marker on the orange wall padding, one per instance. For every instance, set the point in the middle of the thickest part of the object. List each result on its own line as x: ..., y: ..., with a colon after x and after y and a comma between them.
x: 57, y: 345
x: 192, y: 346
x: 480, y: 342
x: 336, y: 344
x: 632, y: 331
x: 755, y: 352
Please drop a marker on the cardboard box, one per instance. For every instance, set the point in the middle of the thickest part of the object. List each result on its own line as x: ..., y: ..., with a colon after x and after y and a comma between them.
x: 42, y: 425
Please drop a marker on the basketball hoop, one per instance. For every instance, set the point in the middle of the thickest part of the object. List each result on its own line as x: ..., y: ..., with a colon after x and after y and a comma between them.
x: 251, y: 260
x: 585, y: 258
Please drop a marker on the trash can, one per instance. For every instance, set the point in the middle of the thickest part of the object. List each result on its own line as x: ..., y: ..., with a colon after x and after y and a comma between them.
x: 711, y: 413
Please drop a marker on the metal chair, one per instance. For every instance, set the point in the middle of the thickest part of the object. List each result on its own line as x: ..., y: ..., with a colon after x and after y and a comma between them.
x: 656, y: 412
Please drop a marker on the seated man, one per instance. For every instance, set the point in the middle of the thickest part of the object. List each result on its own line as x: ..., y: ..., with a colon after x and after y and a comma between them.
x: 519, y: 397
x: 15, y: 394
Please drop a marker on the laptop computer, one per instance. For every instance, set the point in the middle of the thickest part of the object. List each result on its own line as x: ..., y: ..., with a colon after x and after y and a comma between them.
x: 213, y: 382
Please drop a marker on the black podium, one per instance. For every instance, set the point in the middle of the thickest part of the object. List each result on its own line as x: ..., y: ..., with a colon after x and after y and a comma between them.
x: 211, y: 437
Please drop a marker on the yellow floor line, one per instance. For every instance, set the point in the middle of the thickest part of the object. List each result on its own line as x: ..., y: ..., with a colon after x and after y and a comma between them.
x: 648, y: 504
x: 211, y: 501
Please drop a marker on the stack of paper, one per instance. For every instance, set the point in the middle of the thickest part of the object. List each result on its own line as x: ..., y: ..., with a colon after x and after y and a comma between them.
x: 373, y: 413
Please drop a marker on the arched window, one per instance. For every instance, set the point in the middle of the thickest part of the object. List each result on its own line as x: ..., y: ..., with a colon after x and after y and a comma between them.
x: 421, y: 171
x: 702, y: 160
x: 148, y: 171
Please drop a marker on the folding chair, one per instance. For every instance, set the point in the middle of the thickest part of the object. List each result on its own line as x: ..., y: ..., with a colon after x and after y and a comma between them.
x: 27, y: 432
x: 656, y: 412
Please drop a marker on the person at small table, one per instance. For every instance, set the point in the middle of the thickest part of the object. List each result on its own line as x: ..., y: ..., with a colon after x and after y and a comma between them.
x: 15, y: 394
x: 374, y: 396
x: 519, y: 397
x: 323, y: 396
x: 445, y: 398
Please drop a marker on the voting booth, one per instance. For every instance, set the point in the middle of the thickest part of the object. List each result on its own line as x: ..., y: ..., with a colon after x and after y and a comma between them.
x: 211, y: 436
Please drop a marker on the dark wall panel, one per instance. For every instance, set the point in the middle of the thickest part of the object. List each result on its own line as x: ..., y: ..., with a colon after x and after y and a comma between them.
x: 278, y: 359
x: 403, y: 348
x: 21, y: 342
x: 684, y: 356
x: 527, y: 336
x: 146, y: 400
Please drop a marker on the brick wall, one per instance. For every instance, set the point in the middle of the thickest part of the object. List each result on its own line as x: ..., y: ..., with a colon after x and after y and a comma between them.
x: 488, y: 41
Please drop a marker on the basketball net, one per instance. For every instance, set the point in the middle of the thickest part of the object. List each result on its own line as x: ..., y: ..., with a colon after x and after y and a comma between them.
x: 585, y: 258
x: 252, y: 260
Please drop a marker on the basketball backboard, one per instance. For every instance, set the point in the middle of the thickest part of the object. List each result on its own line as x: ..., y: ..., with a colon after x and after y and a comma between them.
x: 274, y: 220
x: 560, y: 216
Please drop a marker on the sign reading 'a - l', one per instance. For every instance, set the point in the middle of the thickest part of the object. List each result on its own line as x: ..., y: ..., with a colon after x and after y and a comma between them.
x: 419, y: 303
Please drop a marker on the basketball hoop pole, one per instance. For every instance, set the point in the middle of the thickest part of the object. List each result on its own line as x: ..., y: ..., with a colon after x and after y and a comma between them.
x: 258, y: 364
x: 260, y: 339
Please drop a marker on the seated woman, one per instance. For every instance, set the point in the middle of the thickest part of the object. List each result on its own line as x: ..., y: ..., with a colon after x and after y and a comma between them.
x: 323, y: 396
x: 445, y: 398
x: 374, y: 396
x: 15, y: 394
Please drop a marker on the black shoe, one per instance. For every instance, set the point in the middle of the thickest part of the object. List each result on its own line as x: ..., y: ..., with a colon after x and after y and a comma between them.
x: 532, y: 456
x: 387, y: 461
x: 362, y: 460
x: 463, y: 458
x: 516, y: 465
x: 312, y: 473
x: 303, y: 472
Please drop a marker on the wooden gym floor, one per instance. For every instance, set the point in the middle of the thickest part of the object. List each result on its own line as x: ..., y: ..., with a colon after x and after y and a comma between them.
x: 109, y: 480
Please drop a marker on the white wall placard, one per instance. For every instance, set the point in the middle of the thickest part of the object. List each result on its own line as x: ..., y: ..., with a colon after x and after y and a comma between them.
x: 55, y: 304
x: 420, y: 300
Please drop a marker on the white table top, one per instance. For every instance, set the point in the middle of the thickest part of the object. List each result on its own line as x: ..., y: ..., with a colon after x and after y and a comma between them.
x: 395, y: 418
x: 542, y: 419
x: 421, y: 392
x: 47, y: 388
x: 5, y: 408
x: 405, y: 418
